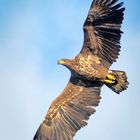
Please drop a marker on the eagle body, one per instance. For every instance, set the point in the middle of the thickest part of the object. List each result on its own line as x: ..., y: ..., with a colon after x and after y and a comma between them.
x: 88, y: 67
x: 90, y: 70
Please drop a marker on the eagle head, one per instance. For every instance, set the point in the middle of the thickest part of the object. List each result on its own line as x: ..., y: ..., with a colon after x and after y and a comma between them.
x: 67, y: 63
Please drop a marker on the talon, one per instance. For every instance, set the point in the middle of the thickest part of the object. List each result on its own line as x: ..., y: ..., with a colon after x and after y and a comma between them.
x: 109, y: 81
x: 111, y: 77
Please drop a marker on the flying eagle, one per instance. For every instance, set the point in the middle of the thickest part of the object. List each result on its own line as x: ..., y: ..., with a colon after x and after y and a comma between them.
x: 70, y: 111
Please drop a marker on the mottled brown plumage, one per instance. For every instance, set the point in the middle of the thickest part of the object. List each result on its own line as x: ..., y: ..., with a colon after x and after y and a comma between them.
x: 70, y: 111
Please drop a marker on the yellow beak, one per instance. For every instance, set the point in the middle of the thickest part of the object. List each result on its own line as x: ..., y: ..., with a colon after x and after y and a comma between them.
x: 61, y: 62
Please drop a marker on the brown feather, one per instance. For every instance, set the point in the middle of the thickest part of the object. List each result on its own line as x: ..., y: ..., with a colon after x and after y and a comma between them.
x: 103, y: 25
x: 76, y: 104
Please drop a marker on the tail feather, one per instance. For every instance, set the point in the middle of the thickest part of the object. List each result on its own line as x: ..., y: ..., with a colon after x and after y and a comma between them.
x: 120, y: 83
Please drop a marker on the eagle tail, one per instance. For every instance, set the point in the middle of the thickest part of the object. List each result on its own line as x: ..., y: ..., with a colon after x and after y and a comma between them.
x: 117, y: 81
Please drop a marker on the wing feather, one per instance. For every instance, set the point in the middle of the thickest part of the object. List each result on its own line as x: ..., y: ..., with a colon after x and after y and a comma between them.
x: 70, y: 111
x: 102, y: 30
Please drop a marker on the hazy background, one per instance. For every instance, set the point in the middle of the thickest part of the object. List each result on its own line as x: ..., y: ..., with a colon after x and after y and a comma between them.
x: 34, y: 34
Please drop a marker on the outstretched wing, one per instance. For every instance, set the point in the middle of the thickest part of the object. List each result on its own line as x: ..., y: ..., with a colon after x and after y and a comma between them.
x: 102, y: 30
x: 70, y: 111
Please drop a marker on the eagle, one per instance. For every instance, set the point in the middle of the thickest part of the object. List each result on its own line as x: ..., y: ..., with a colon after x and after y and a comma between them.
x: 90, y: 70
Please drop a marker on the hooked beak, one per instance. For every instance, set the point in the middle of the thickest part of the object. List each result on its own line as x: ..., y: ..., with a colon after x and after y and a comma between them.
x: 61, y: 62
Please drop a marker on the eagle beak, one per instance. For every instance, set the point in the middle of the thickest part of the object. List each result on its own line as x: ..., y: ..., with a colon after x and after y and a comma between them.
x: 61, y: 62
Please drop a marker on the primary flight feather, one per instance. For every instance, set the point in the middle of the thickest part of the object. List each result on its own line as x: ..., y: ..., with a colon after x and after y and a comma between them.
x: 70, y: 111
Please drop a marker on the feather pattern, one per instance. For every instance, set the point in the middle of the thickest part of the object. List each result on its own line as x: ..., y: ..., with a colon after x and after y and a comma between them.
x: 102, y: 30
x: 70, y: 111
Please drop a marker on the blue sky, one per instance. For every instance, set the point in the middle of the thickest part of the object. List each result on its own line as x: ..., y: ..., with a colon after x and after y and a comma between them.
x: 33, y: 36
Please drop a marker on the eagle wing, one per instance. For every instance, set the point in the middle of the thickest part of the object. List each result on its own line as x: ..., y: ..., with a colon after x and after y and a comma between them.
x: 70, y: 111
x: 102, y: 30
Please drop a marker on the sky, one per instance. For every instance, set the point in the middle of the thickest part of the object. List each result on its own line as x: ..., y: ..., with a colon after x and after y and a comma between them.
x: 34, y: 35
